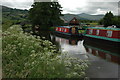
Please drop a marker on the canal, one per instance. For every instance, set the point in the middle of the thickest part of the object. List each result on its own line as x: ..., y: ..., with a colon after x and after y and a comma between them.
x: 104, y: 61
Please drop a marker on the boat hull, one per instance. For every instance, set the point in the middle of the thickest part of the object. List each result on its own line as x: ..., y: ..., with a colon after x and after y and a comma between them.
x: 102, y: 42
x: 67, y: 35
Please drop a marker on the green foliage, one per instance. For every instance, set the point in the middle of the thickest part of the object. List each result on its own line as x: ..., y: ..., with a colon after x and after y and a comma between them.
x: 101, y: 22
x: 108, y: 19
x: 6, y: 24
x: 52, y: 28
x: 12, y: 16
x: 45, y: 14
x: 116, y: 21
x: 27, y: 56
x: 88, y: 21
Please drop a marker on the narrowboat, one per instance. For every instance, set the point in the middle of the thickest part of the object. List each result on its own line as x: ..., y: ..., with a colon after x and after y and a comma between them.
x: 68, y: 30
x: 102, y: 35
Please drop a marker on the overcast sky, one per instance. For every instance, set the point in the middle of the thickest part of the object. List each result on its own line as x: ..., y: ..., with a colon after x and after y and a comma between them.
x: 72, y: 6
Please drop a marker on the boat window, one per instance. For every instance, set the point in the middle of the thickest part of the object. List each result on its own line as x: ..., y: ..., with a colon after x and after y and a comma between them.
x: 65, y: 30
x: 60, y: 29
x: 90, y: 31
x: 97, y: 32
x: 109, y: 33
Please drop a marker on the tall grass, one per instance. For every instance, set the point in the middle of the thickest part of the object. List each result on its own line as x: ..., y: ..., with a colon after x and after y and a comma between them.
x: 27, y: 56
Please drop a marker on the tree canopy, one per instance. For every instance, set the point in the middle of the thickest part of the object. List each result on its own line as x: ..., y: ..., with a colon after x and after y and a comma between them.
x: 45, y: 14
x: 109, y: 20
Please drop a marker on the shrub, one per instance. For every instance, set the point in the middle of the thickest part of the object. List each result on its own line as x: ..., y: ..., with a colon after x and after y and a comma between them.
x: 27, y: 56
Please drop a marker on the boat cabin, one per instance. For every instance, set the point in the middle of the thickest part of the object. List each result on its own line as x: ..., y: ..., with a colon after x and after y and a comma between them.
x: 67, y: 30
x: 109, y: 34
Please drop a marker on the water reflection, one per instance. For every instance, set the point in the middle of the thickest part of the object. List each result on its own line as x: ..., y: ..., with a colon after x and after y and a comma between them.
x: 103, y: 60
x: 74, y: 46
x: 101, y: 65
x: 109, y: 54
x: 100, y: 57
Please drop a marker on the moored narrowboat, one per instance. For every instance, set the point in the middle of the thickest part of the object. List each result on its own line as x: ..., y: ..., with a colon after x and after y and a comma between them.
x: 109, y: 36
x: 68, y: 30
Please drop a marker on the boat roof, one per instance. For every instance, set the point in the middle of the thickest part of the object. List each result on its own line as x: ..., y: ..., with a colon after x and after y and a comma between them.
x: 104, y: 28
x: 65, y: 26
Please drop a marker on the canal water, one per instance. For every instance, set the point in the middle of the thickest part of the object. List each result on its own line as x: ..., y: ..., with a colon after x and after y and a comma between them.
x: 104, y: 62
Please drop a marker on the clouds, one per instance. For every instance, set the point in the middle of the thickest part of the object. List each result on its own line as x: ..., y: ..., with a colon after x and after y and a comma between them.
x: 102, y: 7
x: 94, y: 8
x: 20, y: 4
x: 72, y: 6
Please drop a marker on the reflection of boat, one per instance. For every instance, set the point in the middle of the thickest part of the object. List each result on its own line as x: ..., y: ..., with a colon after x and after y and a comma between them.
x: 110, y: 54
x: 71, y: 41
x: 72, y: 46
x: 68, y: 31
x: 108, y: 36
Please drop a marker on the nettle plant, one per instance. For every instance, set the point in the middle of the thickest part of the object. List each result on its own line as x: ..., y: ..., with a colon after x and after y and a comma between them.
x: 28, y: 56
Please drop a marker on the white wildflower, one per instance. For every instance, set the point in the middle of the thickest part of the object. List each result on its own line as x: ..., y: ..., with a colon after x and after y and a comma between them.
x: 11, y: 27
x: 38, y: 37
x: 33, y: 51
x: 43, y: 37
x: 24, y: 45
x: 19, y: 44
x: 36, y: 44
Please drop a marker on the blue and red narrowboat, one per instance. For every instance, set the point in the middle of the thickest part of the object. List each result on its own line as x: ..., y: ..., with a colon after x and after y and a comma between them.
x: 68, y: 30
x: 103, y: 35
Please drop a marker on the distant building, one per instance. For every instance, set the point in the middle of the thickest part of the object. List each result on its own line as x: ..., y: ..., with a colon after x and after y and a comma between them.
x: 74, y: 21
x: 71, y: 21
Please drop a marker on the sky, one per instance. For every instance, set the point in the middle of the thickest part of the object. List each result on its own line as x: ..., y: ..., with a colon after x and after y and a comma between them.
x: 93, y: 7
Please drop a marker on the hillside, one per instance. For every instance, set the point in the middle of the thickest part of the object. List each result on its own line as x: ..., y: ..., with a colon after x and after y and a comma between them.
x: 82, y: 16
x: 15, y: 14
x: 90, y: 17
x: 12, y: 16
x: 68, y: 17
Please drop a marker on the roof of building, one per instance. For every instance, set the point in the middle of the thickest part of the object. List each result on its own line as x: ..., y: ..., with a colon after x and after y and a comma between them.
x: 69, y: 17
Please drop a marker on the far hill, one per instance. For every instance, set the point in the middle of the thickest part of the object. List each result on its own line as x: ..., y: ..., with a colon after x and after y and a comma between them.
x: 10, y: 12
x: 11, y: 16
x: 68, y: 17
x: 90, y: 17
x: 82, y: 16
x: 71, y: 16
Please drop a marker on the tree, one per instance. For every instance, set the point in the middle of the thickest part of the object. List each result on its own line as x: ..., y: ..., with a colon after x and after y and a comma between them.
x: 108, y: 19
x: 101, y: 22
x: 45, y: 14
x: 116, y: 21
